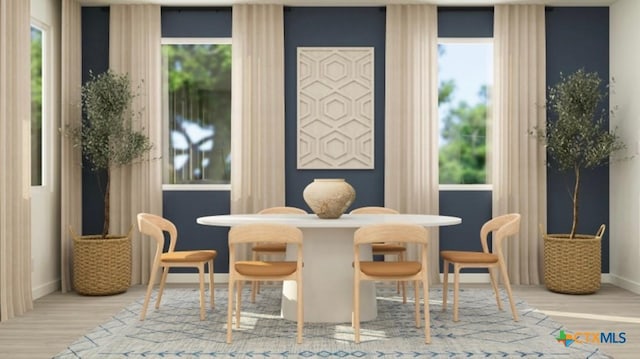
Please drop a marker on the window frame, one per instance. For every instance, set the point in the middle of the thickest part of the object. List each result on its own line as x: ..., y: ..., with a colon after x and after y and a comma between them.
x: 480, y: 186
x: 165, y: 111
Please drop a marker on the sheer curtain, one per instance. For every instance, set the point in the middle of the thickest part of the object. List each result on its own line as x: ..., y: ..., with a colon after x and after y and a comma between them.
x: 70, y: 156
x: 257, y: 109
x: 15, y: 159
x: 518, y: 169
x: 411, y: 117
x: 134, y: 48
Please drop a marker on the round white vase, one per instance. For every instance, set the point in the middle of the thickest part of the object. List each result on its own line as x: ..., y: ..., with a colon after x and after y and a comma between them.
x: 329, y: 197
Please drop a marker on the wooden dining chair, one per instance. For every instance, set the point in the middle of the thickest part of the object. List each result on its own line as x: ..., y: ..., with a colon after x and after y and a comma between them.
x: 386, y: 249
x: 415, y: 271
x: 267, y: 249
x: 155, y: 226
x: 257, y: 270
x: 501, y: 228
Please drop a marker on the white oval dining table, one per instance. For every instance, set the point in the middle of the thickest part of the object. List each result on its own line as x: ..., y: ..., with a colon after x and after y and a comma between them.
x: 328, y: 256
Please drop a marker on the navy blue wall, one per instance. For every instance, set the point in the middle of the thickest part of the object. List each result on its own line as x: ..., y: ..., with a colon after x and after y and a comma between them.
x: 95, y: 58
x: 576, y: 37
x: 349, y: 27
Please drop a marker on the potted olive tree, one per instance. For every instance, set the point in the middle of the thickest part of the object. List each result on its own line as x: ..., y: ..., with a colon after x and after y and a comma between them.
x: 576, y: 139
x: 102, y: 262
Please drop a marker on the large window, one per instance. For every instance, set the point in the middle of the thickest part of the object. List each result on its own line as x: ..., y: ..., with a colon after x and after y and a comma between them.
x: 197, y: 111
x: 465, y: 79
x: 37, y: 46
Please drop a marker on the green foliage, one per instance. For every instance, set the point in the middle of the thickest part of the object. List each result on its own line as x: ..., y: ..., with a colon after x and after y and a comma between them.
x: 577, y: 138
x: 36, y: 107
x: 106, y: 135
x: 462, y: 159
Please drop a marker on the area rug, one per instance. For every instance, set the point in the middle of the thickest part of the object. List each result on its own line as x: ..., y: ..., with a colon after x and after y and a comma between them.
x: 175, y: 331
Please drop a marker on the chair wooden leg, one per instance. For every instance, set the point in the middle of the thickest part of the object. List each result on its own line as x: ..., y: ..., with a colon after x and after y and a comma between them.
x: 300, y: 315
x: 403, y: 284
x: 356, y: 308
x: 507, y: 286
x: 416, y: 295
x: 445, y: 284
x: 211, y: 285
x: 494, y: 284
x: 230, y: 311
x: 147, y: 297
x: 163, y: 280
x: 255, y: 283
x: 238, y: 302
x: 427, y: 316
x: 456, y: 290
x: 201, y: 279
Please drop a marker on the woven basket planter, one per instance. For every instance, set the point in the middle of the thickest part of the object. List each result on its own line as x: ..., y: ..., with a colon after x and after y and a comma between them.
x: 572, y: 266
x: 101, y: 266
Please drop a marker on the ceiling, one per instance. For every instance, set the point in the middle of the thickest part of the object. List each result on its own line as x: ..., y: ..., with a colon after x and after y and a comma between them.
x: 351, y: 2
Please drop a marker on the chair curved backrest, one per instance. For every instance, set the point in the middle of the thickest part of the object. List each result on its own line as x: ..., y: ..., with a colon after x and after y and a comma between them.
x: 502, y: 227
x: 391, y: 233
x: 154, y: 226
x: 283, y: 210
x: 374, y: 210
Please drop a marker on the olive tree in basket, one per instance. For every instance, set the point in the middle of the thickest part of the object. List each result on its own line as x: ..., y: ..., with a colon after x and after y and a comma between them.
x: 107, y: 139
x: 576, y: 139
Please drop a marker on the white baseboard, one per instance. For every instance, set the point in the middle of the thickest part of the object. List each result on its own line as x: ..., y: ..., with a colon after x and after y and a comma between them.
x: 44, y: 289
x: 469, y: 278
x: 624, y: 283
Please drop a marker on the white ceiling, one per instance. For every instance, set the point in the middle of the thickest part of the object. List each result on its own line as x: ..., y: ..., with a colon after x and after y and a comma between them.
x: 352, y: 2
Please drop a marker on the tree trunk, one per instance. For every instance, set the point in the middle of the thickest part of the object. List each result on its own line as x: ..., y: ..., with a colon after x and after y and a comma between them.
x: 574, y: 225
x: 105, y: 226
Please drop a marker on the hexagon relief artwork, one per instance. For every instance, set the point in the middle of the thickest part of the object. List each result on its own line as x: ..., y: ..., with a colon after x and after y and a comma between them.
x: 335, y: 107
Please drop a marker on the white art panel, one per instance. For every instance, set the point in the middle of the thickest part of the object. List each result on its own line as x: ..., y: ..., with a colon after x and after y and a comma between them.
x: 335, y: 108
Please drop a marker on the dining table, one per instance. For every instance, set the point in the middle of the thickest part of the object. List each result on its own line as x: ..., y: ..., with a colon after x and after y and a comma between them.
x: 328, y: 257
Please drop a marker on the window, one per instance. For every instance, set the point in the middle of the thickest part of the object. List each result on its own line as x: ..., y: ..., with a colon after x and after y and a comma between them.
x: 465, y: 78
x: 197, y: 111
x: 37, y: 46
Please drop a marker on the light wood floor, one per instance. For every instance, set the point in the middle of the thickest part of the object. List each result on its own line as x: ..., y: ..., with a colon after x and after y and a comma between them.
x: 59, y: 319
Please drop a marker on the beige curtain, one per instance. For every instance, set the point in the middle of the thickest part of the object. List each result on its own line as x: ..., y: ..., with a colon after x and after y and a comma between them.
x: 134, y: 48
x: 15, y: 159
x: 518, y: 169
x: 70, y: 156
x: 411, y: 117
x: 257, y: 109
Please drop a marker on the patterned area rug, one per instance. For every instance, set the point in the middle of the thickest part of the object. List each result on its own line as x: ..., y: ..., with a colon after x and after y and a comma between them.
x: 175, y: 331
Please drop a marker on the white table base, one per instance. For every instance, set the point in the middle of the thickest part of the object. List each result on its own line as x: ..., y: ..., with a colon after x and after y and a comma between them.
x: 328, y: 278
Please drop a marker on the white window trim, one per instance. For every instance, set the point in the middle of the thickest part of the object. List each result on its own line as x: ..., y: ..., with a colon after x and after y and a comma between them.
x: 191, y: 41
x: 465, y: 187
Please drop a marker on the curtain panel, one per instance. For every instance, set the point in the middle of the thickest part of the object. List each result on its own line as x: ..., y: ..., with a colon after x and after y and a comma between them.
x: 411, y: 117
x: 257, y: 109
x: 518, y: 160
x: 134, y: 48
x: 15, y: 159
x: 70, y: 116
